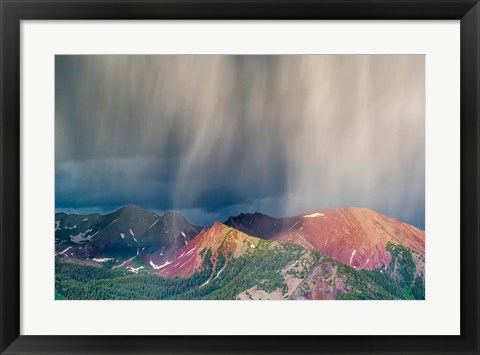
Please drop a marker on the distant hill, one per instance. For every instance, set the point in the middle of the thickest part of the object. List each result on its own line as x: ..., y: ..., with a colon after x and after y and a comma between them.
x: 119, y: 238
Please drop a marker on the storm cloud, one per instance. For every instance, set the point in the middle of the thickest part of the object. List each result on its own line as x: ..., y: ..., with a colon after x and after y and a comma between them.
x: 212, y: 136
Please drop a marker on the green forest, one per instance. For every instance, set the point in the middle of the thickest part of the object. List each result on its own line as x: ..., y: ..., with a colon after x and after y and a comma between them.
x: 231, y: 276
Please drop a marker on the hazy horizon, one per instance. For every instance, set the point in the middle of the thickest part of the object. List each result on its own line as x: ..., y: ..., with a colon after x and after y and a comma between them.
x: 93, y: 210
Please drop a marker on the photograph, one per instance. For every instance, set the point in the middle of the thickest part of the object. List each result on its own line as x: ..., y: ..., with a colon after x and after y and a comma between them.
x: 239, y: 177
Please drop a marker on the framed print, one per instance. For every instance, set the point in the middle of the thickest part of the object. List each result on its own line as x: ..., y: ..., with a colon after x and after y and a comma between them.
x: 239, y: 177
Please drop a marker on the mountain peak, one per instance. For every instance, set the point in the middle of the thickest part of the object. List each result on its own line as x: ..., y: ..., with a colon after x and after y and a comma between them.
x: 128, y: 211
x: 174, y: 217
x: 246, y: 216
x: 172, y: 214
x: 217, y: 227
x: 131, y: 207
x: 128, y: 208
x: 219, y: 239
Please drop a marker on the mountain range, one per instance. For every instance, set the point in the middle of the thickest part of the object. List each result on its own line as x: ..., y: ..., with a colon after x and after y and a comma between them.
x: 132, y: 253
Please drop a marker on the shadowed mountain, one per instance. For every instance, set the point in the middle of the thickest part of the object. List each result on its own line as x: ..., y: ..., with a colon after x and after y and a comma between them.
x: 122, y: 236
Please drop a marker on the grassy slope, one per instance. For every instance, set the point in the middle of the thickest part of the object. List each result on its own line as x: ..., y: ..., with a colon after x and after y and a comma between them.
x: 397, y: 281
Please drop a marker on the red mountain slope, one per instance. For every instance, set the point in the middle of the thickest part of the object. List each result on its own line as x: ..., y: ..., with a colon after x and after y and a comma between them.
x: 188, y: 260
x: 355, y: 236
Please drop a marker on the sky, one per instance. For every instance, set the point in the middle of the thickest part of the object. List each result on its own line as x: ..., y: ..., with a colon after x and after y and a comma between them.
x: 212, y: 136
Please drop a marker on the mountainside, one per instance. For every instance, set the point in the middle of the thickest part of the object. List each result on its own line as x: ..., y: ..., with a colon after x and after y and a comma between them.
x: 137, y: 254
x: 224, y: 263
x: 119, y: 238
x: 219, y: 241
x: 355, y: 236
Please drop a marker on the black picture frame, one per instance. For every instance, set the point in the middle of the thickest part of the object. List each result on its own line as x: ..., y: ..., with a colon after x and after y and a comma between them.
x: 12, y: 12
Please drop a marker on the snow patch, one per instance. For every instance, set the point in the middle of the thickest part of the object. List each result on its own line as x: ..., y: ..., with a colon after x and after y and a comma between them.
x: 135, y: 240
x: 102, y: 260
x: 134, y: 270
x: 313, y: 215
x: 131, y: 232
x: 352, y: 257
x: 157, y: 267
x: 85, y: 219
x: 154, y: 223
x: 63, y: 252
x: 57, y: 225
x: 81, y: 237
x: 293, y: 226
x: 122, y: 235
x: 184, y: 263
x: 126, y: 261
x: 224, y: 266
x: 190, y: 251
x: 184, y: 235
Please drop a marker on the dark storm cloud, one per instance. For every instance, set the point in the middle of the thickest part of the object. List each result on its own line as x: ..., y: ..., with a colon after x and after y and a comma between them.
x: 218, y: 135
